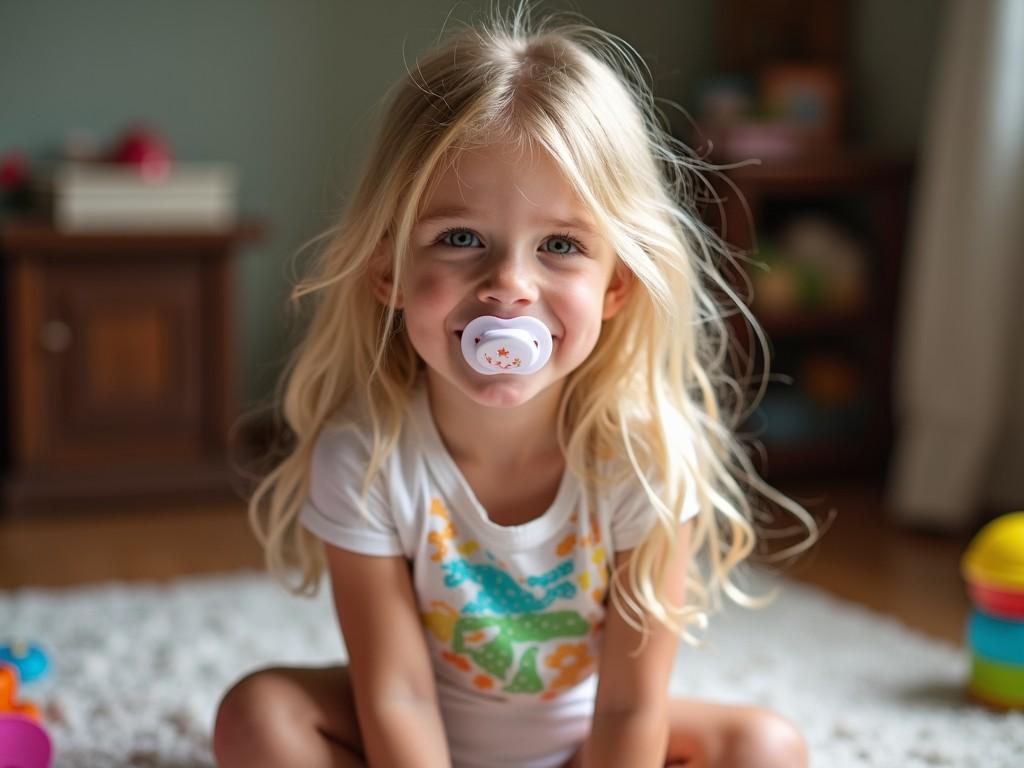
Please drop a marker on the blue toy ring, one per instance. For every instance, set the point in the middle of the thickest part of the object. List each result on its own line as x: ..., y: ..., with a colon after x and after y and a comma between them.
x: 996, y: 639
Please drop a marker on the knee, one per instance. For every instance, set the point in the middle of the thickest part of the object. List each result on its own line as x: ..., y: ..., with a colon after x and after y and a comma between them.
x: 764, y: 739
x: 249, y: 720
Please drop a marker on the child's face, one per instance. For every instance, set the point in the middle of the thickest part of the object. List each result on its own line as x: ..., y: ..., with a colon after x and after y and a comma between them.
x: 509, y: 254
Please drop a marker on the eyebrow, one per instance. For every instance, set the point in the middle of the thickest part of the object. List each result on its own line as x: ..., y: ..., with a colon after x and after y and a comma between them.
x: 459, y: 211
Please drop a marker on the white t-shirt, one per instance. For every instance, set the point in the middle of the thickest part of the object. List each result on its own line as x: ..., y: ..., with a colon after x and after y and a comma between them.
x: 513, y: 615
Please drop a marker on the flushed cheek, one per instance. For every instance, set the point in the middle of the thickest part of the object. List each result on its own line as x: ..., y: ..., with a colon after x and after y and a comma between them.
x: 429, y: 300
x: 583, y: 321
x: 427, y: 288
x: 581, y: 338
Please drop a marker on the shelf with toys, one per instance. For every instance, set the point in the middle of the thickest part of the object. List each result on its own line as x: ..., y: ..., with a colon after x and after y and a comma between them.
x: 822, y: 215
x: 823, y: 236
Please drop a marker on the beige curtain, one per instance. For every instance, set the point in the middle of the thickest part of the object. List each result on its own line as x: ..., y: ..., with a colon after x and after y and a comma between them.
x: 960, y: 345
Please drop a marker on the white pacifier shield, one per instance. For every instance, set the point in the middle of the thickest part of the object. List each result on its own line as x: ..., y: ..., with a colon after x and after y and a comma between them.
x: 495, y: 345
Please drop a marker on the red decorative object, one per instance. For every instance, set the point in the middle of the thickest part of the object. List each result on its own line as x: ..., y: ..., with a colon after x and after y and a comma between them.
x: 145, y: 148
x: 13, y: 170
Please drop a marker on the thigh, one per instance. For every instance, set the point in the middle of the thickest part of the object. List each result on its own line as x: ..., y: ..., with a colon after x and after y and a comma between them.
x: 320, y: 697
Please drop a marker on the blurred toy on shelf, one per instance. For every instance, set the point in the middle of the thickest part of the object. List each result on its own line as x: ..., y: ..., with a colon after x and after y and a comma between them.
x: 812, y: 265
x: 16, y: 191
x: 831, y: 379
x: 819, y: 246
x: 143, y: 147
x: 782, y: 111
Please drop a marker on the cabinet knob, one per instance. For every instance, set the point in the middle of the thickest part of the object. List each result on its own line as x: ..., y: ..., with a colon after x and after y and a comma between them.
x: 55, y: 336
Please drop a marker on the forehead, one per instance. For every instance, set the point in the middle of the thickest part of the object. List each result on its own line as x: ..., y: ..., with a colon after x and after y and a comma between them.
x: 503, y: 179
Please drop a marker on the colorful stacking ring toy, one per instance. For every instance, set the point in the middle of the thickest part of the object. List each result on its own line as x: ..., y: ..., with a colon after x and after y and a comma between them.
x: 993, y: 567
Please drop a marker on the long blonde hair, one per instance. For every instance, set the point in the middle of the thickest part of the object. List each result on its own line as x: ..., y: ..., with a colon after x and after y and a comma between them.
x: 655, y: 391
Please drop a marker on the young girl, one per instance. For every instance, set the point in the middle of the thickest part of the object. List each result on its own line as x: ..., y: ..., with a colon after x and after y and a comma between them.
x: 511, y: 449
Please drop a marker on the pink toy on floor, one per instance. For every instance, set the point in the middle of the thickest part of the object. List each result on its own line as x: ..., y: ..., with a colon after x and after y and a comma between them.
x: 23, y: 743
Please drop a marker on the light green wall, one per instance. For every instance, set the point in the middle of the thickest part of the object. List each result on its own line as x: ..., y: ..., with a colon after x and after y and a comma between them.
x: 287, y: 91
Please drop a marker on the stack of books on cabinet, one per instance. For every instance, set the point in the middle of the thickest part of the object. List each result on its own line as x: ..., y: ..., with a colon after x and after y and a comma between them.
x: 94, y: 196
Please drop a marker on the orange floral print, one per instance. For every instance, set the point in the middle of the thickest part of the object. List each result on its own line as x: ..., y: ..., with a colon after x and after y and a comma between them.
x: 456, y: 660
x: 441, y: 538
x: 483, y: 682
x: 573, y: 661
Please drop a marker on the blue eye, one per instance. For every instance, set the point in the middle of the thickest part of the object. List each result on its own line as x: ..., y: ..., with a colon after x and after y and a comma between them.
x: 572, y: 241
x: 458, y: 237
x: 452, y: 234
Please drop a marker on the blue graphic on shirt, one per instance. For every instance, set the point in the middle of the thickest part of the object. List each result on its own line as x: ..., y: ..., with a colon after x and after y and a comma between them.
x: 501, y: 594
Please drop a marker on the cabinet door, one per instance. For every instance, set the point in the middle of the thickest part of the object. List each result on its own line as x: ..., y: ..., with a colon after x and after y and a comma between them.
x: 122, y: 357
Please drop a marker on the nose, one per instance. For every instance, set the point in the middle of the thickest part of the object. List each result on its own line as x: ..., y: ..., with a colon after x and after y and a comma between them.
x: 509, y: 280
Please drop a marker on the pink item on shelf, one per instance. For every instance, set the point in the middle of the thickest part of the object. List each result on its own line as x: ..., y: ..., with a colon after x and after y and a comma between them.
x: 23, y: 743
x: 145, y: 148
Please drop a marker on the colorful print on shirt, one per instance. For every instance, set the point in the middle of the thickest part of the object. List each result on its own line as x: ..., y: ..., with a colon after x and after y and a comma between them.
x: 525, y: 635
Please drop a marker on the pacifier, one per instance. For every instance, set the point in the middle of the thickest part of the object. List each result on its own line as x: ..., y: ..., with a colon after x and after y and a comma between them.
x: 495, y: 345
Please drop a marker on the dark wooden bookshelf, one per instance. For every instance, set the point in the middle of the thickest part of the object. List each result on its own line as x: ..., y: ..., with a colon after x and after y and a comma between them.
x: 867, y: 196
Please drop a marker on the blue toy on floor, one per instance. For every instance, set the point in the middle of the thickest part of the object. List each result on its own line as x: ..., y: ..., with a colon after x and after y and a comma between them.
x: 29, y: 660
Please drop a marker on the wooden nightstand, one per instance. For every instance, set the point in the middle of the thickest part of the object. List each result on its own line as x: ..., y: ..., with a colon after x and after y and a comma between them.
x: 120, y: 352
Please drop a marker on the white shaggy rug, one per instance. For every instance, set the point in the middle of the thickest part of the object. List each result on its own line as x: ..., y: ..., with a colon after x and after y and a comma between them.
x: 137, y: 671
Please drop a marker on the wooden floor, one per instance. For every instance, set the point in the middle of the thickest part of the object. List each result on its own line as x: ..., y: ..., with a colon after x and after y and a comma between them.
x: 863, y: 557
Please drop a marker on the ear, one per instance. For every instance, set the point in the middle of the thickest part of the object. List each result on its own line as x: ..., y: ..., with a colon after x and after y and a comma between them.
x: 381, y: 274
x: 618, y: 290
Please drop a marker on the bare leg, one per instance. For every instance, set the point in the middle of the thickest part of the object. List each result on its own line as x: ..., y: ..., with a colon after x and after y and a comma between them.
x: 287, y: 716
x: 703, y: 734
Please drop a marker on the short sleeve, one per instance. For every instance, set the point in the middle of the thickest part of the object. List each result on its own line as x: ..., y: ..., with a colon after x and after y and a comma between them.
x: 633, y: 516
x: 335, y: 510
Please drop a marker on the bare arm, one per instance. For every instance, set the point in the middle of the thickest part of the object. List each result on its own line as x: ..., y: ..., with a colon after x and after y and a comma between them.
x: 630, y: 725
x: 389, y: 663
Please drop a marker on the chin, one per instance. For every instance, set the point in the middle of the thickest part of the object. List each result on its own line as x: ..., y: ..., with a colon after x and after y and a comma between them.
x: 502, y: 390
